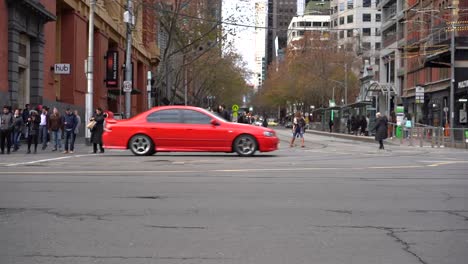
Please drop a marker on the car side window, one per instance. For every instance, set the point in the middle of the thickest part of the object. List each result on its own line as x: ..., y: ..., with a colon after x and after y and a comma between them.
x: 195, y: 117
x: 170, y: 116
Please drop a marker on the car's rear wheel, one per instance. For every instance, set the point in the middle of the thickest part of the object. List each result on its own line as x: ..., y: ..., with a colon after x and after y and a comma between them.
x: 141, y: 145
x: 245, y: 145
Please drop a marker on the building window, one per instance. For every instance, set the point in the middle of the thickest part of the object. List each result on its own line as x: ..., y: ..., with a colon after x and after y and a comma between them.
x: 341, y: 34
x: 350, y: 4
x: 301, y: 32
x: 317, y: 24
x: 326, y: 24
x: 378, y: 17
x: 350, y: 19
x: 341, y: 20
x: 294, y: 24
x: 308, y: 24
x: 341, y: 7
x: 366, y: 32
x: 377, y: 45
x: 335, y: 23
x: 366, y: 17
x: 366, y: 46
x: 366, y: 3
x: 349, y: 33
x: 294, y: 33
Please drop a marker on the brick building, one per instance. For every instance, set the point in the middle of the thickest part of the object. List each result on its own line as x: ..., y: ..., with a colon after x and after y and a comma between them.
x: 44, y: 33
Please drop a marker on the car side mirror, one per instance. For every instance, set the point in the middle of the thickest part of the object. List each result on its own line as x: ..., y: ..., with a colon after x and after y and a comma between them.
x: 214, y: 122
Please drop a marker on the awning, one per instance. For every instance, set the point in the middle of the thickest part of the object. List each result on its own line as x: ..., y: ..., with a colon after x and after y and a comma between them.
x: 358, y: 104
x: 438, y: 60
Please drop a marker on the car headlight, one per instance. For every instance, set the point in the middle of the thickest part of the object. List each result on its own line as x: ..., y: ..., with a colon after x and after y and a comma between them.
x: 268, y: 134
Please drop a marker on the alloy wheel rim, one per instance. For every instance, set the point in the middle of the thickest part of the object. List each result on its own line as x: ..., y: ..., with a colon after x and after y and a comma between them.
x: 140, y: 145
x: 246, y: 145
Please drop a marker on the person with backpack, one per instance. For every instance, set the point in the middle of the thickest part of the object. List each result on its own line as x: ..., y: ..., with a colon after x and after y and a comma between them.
x: 298, y: 129
x: 70, y: 123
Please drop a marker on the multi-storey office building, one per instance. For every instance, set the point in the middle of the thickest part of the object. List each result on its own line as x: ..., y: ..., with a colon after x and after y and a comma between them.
x: 261, y: 11
x: 280, y: 13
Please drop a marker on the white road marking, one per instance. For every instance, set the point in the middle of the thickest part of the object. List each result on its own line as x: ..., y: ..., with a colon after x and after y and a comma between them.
x: 46, y: 160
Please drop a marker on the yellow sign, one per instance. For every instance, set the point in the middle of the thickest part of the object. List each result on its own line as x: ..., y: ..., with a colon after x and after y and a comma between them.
x: 235, y: 108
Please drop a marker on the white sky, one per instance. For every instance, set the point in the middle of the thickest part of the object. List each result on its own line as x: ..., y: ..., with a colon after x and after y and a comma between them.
x: 243, y: 12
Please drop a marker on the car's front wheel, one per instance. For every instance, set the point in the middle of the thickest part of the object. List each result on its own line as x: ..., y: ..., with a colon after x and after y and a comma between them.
x: 245, y: 145
x: 141, y: 145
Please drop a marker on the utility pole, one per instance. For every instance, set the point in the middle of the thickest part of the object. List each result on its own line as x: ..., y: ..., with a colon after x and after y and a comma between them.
x: 128, y: 19
x: 346, y: 84
x: 452, y: 81
x: 89, y: 69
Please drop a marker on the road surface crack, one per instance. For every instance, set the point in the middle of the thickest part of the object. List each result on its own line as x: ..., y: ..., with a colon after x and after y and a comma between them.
x: 391, y: 232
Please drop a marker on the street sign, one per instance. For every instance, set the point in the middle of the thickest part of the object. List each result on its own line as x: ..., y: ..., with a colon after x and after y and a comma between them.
x: 62, y: 68
x: 127, y: 86
x: 235, y: 108
x: 419, y: 94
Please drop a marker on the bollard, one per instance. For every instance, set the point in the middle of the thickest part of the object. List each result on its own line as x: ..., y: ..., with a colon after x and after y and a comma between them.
x: 421, y: 136
x: 433, y: 137
x: 410, y: 136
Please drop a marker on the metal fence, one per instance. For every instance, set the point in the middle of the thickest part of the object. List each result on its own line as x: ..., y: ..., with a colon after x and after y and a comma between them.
x: 422, y: 135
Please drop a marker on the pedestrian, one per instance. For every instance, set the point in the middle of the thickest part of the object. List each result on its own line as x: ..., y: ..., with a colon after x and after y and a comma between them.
x: 43, y: 126
x: 78, y: 125
x: 25, y: 114
x: 55, y: 127
x: 70, y: 123
x: 223, y: 112
x: 18, y: 126
x: 381, y: 126
x: 33, y: 127
x: 408, y: 125
x: 265, y: 121
x: 348, y: 124
x: 367, y: 125
x: 298, y: 129
x: 330, y: 125
x: 363, y: 125
x: 6, y: 126
x: 97, y: 130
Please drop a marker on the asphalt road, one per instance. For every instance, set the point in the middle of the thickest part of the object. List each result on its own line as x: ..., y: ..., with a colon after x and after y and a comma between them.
x: 334, y: 201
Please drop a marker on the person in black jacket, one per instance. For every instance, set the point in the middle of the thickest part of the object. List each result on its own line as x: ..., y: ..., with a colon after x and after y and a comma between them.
x: 18, y: 126
x: 69, y: 125
x: 381, y: 127
x: 33, y: 130
x: 97, y: 130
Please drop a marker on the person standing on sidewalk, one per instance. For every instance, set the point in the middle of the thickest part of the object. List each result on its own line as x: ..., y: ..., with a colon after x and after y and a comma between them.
x: 381, y: 126
x: 97, y: 130
x: 55, y: 127
x: 69, y: 126
x: 78, y: 125
x: 44, y: 127
x: 25, y: 115
x: 18, y: 126
x: 33, y: 130
x: 6, y: 126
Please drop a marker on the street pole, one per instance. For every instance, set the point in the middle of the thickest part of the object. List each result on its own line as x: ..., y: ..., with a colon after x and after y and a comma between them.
x: 128, y: 59
x: 148, y: 89
x: 346, y: 84
x: 388, y: 89
x: 89, y: 69
x: 452, y: 82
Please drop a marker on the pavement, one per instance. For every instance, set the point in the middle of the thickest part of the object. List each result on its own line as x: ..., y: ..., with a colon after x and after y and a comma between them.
x: 334, y: 201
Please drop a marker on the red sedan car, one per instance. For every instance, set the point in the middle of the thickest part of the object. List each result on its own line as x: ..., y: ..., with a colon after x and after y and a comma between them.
x: 186, y: 129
